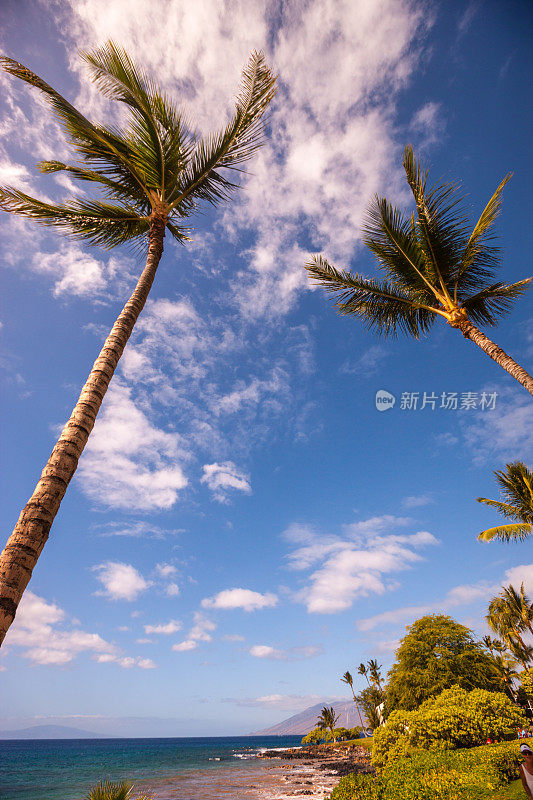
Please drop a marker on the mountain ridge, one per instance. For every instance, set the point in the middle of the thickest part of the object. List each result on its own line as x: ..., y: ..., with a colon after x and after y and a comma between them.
x: 305, y: 721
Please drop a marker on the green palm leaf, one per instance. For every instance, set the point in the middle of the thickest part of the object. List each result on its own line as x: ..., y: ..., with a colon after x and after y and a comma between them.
x: 377, y: 303
x: 234, y: 145
x: 487, y: 305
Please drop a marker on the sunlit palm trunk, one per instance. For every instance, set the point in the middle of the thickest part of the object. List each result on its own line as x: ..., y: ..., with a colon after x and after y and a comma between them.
x: 25, y: 544
x: 496, y: 353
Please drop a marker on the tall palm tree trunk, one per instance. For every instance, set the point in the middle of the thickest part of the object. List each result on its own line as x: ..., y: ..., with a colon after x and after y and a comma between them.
x: 358, y: 709
x: 25, y: 544
x: 496, y: 353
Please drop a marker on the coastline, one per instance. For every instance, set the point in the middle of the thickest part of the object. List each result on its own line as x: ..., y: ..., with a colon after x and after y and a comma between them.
x: 315, y: 770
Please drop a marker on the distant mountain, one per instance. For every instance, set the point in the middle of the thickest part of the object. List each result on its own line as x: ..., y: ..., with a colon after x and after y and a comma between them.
x: 52, y: 732
x: 306, y: 720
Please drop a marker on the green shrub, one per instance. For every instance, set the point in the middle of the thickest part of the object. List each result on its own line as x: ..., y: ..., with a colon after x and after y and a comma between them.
x: 466, y: 774
x: 456, y: 718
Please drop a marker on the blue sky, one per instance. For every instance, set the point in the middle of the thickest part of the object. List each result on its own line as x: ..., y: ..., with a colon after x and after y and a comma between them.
x: 245, y: 525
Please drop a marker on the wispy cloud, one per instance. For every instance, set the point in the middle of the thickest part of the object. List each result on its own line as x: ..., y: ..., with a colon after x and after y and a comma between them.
x: 355, y: 564
x: 291, y: 654
x: 163, y: 628
x: 224, y: 478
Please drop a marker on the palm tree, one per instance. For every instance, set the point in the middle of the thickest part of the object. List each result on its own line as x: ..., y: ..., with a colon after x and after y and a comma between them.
x: 375, y: 673
x: 432, y: 268
x: 520, y: 605
x: 489, y: 644
x: 504, y: 619
x: 347, y: 678
x: 516, y: 486
x: 361, y: 669
x: 328, y: 719
x: 152, y: 175
x: 114, y: 791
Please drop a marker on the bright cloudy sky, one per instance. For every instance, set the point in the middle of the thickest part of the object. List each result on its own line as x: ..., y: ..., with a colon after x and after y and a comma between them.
x: 244, y: 525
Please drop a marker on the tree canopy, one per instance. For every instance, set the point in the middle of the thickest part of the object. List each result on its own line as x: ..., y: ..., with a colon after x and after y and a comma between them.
x: 436, y: 653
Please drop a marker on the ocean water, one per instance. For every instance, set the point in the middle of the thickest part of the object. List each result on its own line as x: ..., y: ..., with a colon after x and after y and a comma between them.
x: 166, y: 769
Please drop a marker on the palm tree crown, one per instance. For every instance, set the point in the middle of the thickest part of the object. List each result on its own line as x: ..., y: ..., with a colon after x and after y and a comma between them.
x: 154, y: 164
x: 151, y: 174
x: 432, y: 267
x: 516, y: 485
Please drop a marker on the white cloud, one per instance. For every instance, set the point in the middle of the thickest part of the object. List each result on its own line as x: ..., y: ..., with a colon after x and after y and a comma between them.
x: 291, y: 654
x: 165, y: 570
x: 120, y: 581
x: 172, y: 590
x: 521, y: 574
x: 233, y: 637
x: 128, y: 463
x: 295, y: 702
x: 165, y: 628
x: 135, y: 530
x: 127, y: 662
x: 456, y: 596
x: 39, y: 630
x: 240, y: 598
x: 221, y: 478
x: 202, y: 628
x: 356, y: 564
x: 417, y: 500
x: 505, y: 433
x: 182, y: 647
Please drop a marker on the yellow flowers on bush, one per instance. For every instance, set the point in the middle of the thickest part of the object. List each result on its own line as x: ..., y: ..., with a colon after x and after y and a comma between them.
x: 455, y: 718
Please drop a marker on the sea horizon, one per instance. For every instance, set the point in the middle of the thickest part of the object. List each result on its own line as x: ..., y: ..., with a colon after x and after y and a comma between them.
x: 165, y: 768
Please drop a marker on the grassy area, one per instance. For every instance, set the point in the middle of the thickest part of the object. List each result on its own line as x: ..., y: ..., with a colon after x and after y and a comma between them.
x: 367, y: 742
x: 514, y: 791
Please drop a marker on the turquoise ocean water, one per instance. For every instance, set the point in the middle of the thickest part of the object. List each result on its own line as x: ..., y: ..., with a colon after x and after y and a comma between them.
x: 168, y: 769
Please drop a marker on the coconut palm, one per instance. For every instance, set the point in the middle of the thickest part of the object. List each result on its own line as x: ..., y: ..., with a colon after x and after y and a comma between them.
x: 432, y: 266
x: 328, y: 719
x: 152, y: 174
x: 516, y: 486
x: 374, y: 670
x: 114, y: 791
x: 347, y: 678
x: 504, y: 619
x: 362, y: 670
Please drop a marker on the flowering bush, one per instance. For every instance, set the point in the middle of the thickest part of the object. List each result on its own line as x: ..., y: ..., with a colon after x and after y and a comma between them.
x: 456, y: 718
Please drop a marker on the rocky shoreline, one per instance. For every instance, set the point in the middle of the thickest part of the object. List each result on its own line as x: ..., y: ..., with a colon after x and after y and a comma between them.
x: 315, y: 770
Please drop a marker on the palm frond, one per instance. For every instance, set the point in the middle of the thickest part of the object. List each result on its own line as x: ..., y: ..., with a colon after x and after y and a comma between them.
x: 440, y: 224
x: 100, y: 223
x: 119, y: 78
x: 479, y: 256
x: 507, y: 533
x: 389, y: 235
x: 108, y: 790
x: 377, y: 303
x: 509, y: 511
x: 118, y: 189
x: 486, y: 306
x: 103, y: 146
x: 179, y: 233
x: 232, y: 146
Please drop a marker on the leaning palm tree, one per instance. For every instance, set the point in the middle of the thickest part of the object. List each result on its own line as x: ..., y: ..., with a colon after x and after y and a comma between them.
x: 328, y: 719
x: 432, y: 268
x: 106, y: 790
x: 516, y: 486
x: 347, y: 678
x: 151, y: 175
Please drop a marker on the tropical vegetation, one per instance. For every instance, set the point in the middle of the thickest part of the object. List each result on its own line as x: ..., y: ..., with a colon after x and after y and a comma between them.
x: 122, y: 790
x: 150, y: 175
x: 516, y: 487
x: 433, y: 266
